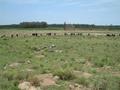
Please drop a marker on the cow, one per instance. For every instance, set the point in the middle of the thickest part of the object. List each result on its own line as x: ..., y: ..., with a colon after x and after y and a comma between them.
x: 16, y: 35
x: 65, y: 34
x: 72, y: 34
x: 34, y: 34
x: 12, y: 35
x: 49, y: 34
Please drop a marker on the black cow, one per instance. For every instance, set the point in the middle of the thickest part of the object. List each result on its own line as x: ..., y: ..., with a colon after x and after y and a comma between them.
x: 12, y: 36
x: 34, y: 34
x: 49, y: 34
x: 72, y: 34
x: 54, y: 34
x: 16, y: 35
x: 65, y: 34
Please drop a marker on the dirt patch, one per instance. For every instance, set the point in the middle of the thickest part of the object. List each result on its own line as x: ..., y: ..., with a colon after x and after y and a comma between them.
x: 104, y: 69
x: 27, y: 86
x: 48, y: 82
x: 46, y: 79
x: 38, y: 81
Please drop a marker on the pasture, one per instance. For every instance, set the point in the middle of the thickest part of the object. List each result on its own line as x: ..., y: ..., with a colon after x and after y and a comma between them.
x: 60, y: 62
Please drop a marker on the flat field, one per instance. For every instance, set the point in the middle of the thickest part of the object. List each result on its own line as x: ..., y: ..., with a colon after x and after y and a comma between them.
x: 59, y: 62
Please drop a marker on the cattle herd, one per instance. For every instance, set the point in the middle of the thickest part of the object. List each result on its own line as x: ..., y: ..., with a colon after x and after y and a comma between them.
x: 65, y: 34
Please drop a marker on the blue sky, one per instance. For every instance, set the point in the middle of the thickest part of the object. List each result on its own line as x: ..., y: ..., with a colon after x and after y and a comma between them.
x: 103, y: 12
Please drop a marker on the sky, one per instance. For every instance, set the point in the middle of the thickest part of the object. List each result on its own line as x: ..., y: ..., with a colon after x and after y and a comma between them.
x: 99, y: 12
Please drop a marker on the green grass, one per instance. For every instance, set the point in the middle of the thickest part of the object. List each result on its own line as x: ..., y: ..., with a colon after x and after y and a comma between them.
x: 68, y: 54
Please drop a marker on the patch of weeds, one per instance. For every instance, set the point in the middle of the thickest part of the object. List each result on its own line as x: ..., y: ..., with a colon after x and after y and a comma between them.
x: 99, y: 63
x: 35, y: 67
x: 10, y: 75
x: 83, y: 81
x: 105, y: 82
x: 21, y: 76
x: 93, y: 70
x: 104, y: 61
x: 45, y: 70
x: 82, y: 61
x: 35, y: 49
x: 72, y: 59
x: 65, y: 74
x: 26, y: 41
x: 7, y: 85
x: 55, y: 88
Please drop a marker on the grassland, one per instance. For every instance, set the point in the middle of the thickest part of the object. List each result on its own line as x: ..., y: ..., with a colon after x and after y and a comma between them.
x: 90, y: 61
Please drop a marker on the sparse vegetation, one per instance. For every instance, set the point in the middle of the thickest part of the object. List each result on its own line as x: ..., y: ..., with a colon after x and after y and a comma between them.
x: 98, y: 57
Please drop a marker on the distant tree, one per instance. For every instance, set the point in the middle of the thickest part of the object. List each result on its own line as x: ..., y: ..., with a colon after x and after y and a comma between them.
x: 33, y: 24
x: 44, y: 24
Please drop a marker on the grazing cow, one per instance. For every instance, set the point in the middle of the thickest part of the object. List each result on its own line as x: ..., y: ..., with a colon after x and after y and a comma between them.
x: 49, y: 34
x: 108, y: 35
x: 54, y: 34
x: 113, y: 35
x: 80, y: 34
x: 12, y: 36
x: 77, y: 33
x: 34, y: 34
x: 16, y: 35
x: 88, y: 34
x: 72, y: 34
x: 65, y: 34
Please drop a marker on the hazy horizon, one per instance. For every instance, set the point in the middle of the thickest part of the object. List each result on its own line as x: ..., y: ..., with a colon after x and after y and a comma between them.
x: 98, y: 12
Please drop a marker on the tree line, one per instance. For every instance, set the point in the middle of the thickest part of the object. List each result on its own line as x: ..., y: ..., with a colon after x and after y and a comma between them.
x: 27, y: 25
x: 44, y: 24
